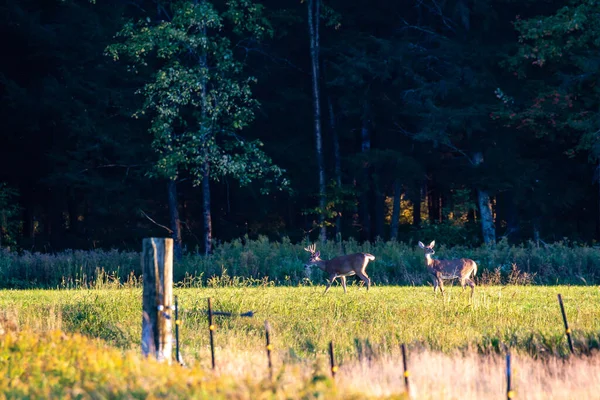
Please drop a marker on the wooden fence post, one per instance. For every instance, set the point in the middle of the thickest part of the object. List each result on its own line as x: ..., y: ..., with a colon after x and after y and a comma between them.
x: 334, y: 368
x: 406, y: 372
x: 567, y: 329
x: 211, y: 330
x: 157, y: 270
x: 269, y: 348
x: 510, y: 394
x: 177, y: 325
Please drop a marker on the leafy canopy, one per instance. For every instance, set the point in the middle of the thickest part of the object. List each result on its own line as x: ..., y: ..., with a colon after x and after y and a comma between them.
x: 197, y: 95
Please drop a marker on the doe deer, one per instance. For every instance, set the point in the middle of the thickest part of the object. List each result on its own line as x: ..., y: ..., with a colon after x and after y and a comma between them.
x: 461, y: 268
x: 340, y: 267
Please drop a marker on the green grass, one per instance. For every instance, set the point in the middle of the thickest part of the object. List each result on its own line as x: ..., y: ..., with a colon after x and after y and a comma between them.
x: 527, y: 318
x: 449, y: 333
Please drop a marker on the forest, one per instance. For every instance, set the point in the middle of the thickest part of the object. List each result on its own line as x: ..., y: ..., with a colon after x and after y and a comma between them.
x: 467, y: 122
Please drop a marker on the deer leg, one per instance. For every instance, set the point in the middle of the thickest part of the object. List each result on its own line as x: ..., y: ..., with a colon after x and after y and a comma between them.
x: 435, y: 285
x: 363, y: 275
x: 441, y: 284
x: 343, y: 278
x: 472, y: 285
x: 329, y: 282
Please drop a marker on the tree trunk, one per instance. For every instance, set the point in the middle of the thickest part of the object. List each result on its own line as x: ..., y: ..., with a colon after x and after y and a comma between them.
x: 206, y: 214
x: 175, y: 221
x: 379, y: 213
x: 487, y: 220
x: 416, y: 200
x: 396, y: 210
x: 506, y: 210
x: 206, y: 209
x: 365, y: 148
x: 337, y: 163
x: 471, y: 216
x: 597, y: 175
x: 313, y: 27
x: 485, y: 208
x: 536, y: 231
x: 433, y: 203
x: 72, y: 211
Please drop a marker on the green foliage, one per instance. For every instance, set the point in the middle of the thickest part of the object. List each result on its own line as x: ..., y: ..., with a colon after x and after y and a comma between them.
x: 197, y: 94
x: 340, y: 200
x: 564, y: 103
x: 68, y: 269
x: 263, y: 263
x: 419, y: 80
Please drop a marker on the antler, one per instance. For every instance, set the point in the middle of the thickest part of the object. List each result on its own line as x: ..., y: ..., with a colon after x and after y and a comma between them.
x: 311, y: 249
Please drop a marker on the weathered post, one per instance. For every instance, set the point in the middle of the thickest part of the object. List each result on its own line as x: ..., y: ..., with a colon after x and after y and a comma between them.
x: 269, y: 348
x: 405, y: 367
x: 334, y: 368
x: 177, y: 325
x: 211, y: 330
x: 157, y: 270
x: 567, y: 329
x: 510, y: 394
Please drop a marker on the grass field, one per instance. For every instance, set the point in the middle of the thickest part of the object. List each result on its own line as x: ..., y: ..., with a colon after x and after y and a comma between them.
x: 455, y: 345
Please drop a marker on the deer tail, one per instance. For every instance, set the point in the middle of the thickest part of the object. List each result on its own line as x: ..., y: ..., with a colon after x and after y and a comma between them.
x: 369, y: 256
x: 474, y: 269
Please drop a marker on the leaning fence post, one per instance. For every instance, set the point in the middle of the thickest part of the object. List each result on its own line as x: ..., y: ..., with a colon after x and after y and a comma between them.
x: 157, y: 270
x: 269, y: 348
x: 567, y: 329
x: 334, y: 368
x: 509, y: 392
x: 177, y: 325
x: 211, y: 330
x: 405, y: 366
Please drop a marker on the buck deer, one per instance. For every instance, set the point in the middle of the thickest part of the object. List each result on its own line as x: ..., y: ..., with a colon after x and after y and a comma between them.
x: 449, y: 269
x: 340, y: 267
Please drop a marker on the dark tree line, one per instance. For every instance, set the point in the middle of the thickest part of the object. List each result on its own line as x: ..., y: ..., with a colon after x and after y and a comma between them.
x: 462, y: 121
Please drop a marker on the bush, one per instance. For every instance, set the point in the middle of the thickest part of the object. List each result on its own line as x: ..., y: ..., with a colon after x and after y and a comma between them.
x: 254, y: 262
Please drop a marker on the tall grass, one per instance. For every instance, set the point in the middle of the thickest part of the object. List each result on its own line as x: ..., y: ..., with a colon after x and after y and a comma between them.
x: 527, y: 318
x: 282, y: 263
x: 455, y: 346
x: 58, y: 366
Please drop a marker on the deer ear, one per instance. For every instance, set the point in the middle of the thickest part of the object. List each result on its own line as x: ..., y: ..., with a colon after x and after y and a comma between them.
x: 432, y: 243
x: 421, y: 245
x: 318, y: 254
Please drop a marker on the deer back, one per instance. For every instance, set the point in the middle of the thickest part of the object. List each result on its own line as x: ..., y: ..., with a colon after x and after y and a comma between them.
x: 345, y: 264
x: 453, y: 268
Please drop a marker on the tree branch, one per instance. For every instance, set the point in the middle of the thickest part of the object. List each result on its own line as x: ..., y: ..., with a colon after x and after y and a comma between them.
x: 154, y: 222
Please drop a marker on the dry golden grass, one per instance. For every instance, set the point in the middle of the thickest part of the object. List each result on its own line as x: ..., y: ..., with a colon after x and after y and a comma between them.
x: 433, y: 375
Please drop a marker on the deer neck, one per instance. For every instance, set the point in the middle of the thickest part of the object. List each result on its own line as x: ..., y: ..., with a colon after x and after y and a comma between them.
x: 429, y: 261
x: 321, y: 264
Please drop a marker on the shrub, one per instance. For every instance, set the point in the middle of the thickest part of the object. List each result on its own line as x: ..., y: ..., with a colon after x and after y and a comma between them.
x: 252, y: 262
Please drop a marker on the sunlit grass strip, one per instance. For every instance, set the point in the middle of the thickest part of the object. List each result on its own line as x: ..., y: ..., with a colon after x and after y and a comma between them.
x: 303, y: 321
x: 56, y: 365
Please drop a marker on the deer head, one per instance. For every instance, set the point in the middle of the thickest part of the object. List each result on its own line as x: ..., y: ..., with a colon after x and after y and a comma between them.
x: 315, y: 258
x: 428, y: 249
